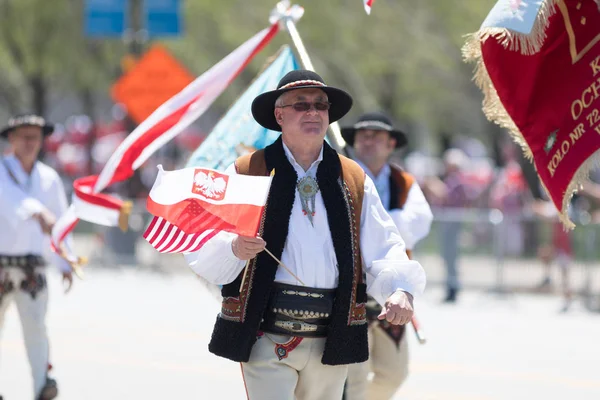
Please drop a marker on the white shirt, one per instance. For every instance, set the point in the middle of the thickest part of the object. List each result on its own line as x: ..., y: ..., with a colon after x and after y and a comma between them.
x: 41, y: 190
x: 414, y: 219
x: 309, y: 250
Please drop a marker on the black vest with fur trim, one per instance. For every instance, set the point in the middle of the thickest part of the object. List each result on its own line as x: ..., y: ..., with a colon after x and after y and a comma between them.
x: 237, y: 325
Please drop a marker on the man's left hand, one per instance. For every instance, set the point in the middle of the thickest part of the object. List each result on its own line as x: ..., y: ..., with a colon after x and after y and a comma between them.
x: 67, y: 281
x: 398, y: 309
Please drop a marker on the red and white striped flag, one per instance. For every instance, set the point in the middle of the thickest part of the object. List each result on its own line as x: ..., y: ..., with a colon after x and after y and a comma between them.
x: 167, y: 238
x: 368, y: 4
x: 191, y: 205
x: 160, y: 127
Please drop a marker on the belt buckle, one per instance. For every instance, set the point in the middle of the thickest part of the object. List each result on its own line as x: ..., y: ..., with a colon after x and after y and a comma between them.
x: 296, y: 326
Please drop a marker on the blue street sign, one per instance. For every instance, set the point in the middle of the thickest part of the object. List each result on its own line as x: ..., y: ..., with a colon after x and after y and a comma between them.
x: 163, y: 17
x: 106, y: 18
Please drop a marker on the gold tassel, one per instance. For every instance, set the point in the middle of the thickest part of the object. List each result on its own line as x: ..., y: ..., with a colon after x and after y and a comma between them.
x: 124, y: 214
x: 75, y: 266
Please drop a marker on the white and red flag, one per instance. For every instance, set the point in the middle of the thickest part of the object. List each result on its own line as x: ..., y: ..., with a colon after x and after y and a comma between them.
x: 191, y: 205
x: 368, y: 4
x: 161, y: 126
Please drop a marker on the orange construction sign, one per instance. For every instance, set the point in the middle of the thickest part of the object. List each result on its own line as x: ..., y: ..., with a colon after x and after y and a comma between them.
x: 153, y: 80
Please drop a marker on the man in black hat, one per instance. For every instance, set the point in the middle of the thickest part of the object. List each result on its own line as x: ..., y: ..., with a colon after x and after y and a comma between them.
x: 31, y: 197
x: 296, y: 329
x: 374, y: 139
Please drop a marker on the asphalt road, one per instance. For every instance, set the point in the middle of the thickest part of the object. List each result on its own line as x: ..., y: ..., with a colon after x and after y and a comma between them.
x: 137, y: 334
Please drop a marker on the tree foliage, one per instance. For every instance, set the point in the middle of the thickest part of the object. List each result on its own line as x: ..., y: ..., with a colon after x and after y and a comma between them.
x: 404, y: 58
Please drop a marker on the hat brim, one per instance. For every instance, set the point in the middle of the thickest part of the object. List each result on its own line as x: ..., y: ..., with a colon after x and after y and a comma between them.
x: 348, y: 133
x: 46, y: 129
x: 263, y: 106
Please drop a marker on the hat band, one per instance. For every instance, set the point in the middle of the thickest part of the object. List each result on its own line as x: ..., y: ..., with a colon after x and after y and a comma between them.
x: 302, y: 83
x: 28, y: 120
x: 382, y: 125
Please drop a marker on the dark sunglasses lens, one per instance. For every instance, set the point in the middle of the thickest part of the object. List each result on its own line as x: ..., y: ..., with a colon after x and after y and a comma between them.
x: 301, y: 106
x: 321, y: 106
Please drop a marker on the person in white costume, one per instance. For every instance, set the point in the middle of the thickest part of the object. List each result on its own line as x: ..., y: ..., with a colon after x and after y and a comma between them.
x: 374, y: 139
x: 32, y: 197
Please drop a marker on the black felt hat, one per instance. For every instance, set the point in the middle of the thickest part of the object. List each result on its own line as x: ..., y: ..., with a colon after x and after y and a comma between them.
x: 27, y: 120
x: 263, y: 106
x: 376, y: 121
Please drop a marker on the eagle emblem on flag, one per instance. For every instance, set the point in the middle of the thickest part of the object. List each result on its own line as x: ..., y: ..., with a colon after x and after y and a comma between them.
x: 210, y: 184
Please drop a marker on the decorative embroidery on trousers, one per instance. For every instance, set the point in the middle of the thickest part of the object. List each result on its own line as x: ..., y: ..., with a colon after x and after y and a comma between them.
x: 283, y: 350
x: 33, y: 284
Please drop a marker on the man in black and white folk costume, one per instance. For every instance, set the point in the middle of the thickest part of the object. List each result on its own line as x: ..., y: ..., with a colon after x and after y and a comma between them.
x: 374, y: 139
x: 296, y: 331
x: 31, y: 198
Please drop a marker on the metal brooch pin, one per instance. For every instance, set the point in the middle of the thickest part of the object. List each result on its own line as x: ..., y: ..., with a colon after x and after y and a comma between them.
x: 308, y: 189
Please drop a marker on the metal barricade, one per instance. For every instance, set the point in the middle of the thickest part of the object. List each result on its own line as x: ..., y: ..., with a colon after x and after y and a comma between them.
x: 499, y: 251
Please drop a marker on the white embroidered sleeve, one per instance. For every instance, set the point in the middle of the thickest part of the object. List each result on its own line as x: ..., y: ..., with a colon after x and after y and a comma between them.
x: 384, y: 253
x: 215, y: 261
x: 15, y: 205
x: 414, y: 219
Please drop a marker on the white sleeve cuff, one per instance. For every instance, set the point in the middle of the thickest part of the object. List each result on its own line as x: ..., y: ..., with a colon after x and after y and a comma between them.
x: 392, y: 276
x: 28, y: 207
x: 215, y: 261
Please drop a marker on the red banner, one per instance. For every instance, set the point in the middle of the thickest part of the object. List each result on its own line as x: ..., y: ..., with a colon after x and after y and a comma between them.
x: 549, y: 98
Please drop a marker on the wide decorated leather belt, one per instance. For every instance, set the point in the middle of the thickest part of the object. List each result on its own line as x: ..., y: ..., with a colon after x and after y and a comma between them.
x: 34, y: 281
x: 25, y: 261
x: 298, y: 311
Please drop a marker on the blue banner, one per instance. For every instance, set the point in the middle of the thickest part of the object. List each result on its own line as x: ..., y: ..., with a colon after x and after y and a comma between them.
x: 237, y: 132
x: 163, y: 17
x: 105, y: 18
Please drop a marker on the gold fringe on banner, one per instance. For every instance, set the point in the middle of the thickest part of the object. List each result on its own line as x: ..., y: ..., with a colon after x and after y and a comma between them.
x: 526, y: 44
x: 492, y: 105
x: 579, y: 178
x: 493, y: 108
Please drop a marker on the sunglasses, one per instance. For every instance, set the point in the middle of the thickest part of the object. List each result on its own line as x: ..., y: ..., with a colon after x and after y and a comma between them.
x: 303, y: 106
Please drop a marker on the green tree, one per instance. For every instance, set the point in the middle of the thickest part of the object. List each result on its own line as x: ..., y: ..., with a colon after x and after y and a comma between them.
x: 42, y: 49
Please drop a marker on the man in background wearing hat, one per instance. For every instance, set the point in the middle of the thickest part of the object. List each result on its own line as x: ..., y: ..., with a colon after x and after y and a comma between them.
x: 374, y: 139
x: 296, y: 329
x: 31, y: 198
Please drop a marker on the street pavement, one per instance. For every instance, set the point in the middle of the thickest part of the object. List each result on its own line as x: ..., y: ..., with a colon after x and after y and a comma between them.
x: 140, y: 333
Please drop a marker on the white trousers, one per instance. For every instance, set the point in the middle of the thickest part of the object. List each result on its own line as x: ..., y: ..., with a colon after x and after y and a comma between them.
x: 32, y: 313
x: 387, y: 362
x: 285, y: 368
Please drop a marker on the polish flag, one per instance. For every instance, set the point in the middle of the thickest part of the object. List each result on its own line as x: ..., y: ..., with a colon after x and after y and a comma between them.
x: 161, y: 126
x: 368, y: 4
x: 193, y: 204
